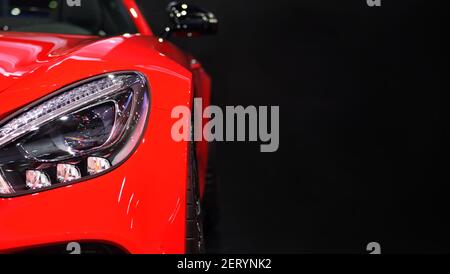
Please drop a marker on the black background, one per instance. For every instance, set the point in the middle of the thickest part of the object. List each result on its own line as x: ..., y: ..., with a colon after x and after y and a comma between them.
x: 364, y: 131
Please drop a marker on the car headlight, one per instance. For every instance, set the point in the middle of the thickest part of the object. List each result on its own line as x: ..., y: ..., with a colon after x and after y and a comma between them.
x: 83, y: 131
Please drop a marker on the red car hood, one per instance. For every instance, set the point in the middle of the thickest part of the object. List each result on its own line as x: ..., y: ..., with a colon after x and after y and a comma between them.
x: 23, y: 53
x: 34, y: 65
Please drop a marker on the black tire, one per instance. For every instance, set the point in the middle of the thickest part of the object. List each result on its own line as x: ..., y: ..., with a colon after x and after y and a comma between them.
x: 210, y: 205
x: 194, y: 216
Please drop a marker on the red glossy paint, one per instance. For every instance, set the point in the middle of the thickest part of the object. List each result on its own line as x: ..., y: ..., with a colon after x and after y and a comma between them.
x: 137, y: 17
x: 140, y: 206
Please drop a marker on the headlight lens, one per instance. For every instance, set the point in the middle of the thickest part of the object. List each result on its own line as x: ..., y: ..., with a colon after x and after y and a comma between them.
x: 84, y: 131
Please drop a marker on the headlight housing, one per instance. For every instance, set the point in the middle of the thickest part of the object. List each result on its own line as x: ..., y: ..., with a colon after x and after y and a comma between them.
x: 83, y: 131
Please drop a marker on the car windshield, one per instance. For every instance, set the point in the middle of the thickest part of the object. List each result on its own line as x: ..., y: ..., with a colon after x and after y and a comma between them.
x: 84, y: 17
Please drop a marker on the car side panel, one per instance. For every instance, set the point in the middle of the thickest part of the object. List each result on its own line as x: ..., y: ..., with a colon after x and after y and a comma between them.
x: 139, y: 206
x: 202, y: 87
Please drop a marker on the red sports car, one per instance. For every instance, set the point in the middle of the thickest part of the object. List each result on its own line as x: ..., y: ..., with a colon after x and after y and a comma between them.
x: 86, y: 152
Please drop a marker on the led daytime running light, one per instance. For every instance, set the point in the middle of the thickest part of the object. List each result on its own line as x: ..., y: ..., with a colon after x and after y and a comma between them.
x: 59, y: 105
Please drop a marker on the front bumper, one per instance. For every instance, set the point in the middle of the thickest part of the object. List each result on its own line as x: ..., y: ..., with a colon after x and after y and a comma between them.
x: 139, y: 207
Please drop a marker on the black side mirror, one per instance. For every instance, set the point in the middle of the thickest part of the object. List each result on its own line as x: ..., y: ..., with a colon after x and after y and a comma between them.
x: 190, y: 21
